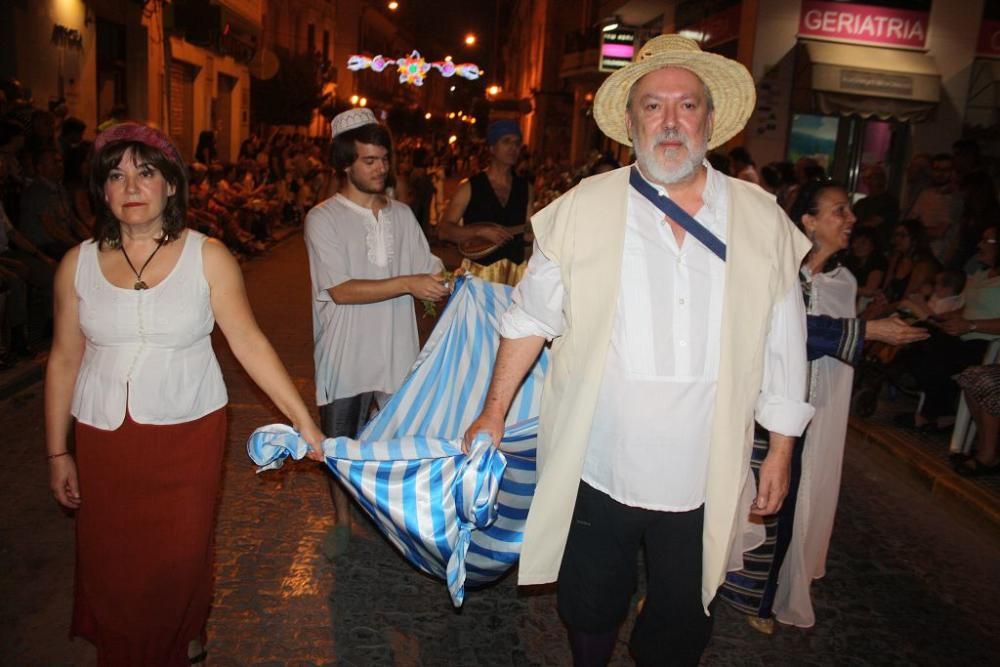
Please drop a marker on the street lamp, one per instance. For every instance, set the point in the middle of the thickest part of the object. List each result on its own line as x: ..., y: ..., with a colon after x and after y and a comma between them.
x: 427, y: 116
x: 470, y: 40
x: 393, y: 6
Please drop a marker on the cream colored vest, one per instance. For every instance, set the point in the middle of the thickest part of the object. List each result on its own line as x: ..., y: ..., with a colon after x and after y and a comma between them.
x: 583, y: 231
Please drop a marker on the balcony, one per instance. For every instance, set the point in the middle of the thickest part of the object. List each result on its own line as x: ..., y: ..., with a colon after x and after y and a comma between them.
x: 581, y: 54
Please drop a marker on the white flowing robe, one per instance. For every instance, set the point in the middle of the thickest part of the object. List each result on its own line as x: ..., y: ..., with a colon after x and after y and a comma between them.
x: 832, y: 294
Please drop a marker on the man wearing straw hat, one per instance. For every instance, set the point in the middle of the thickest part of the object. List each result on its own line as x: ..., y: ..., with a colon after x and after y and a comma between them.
x: 670, y: 292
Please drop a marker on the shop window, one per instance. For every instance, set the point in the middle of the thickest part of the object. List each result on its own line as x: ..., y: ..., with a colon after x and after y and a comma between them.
x: 813, y: 137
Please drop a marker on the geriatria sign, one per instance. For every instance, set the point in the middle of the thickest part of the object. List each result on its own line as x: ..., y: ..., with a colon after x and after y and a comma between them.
x: 864, y: 24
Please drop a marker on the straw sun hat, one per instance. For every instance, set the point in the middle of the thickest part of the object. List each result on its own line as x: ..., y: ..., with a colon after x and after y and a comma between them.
x: 728, y: 81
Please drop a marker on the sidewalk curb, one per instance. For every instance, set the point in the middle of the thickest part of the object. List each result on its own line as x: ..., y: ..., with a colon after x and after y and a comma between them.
x: 981, y: 504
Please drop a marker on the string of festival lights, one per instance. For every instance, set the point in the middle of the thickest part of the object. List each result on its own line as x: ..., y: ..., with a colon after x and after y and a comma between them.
x: 413, y: 68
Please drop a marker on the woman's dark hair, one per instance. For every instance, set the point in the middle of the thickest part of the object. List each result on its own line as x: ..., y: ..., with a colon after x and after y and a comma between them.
x: 344, y: 152
x: 770, y: 176
x: 807, y: 201
x: 867, y: 233
x: 107, y: 230
x: 919, y: 245
x: 205, y: 152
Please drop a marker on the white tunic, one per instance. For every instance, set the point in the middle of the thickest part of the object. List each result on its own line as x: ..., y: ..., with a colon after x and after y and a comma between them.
x: 363, y: 347
x: 822, y: 458
x: 149, y: 351
x: 648, y: 444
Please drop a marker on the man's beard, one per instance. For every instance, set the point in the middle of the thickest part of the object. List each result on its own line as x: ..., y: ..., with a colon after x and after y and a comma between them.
x: 655, y: 171
x: 365, y: 187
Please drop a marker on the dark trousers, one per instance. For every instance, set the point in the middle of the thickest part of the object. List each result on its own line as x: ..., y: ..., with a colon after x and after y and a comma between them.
x: 345, y: 417
x: 599, y: 572
x: 942, y: 357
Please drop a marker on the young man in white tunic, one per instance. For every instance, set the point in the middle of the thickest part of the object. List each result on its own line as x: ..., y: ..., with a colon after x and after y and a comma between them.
x: 671, y: 335
x: 368, y: 261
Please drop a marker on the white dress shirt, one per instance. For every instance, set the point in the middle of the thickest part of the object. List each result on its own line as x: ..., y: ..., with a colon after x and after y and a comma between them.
x: 651, y: 431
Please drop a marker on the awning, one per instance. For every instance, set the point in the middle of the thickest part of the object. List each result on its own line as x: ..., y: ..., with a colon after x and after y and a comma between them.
x: 983, y: 106
x: 886, y: 83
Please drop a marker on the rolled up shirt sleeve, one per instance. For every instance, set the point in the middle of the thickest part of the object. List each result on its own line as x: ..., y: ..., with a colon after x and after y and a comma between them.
x: 781, y: 406
x: 537, y: 308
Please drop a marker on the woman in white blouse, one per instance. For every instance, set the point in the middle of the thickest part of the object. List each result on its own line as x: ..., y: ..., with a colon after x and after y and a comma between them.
x: 132, y: 362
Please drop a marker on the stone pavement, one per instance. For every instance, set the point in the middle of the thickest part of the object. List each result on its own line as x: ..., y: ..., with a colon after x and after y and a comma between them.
x: 910, y: 580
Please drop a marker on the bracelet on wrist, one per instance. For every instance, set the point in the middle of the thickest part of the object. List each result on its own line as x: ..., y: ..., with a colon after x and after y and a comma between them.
x: 55, y: 456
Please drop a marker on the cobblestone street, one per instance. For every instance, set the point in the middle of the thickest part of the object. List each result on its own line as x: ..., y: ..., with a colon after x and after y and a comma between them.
x: 910, y: 580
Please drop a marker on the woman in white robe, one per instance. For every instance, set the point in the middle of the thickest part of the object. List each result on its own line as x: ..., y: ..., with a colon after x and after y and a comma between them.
x: 776, y: 577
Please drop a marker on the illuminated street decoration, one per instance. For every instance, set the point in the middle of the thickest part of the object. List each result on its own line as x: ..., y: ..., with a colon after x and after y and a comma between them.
x: 413, y: 68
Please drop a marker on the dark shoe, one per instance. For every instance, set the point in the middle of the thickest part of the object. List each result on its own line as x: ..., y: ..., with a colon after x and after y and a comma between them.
x: 975, y: 468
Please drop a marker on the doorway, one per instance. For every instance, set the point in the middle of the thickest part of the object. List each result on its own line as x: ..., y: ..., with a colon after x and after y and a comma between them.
x: 864, y: 142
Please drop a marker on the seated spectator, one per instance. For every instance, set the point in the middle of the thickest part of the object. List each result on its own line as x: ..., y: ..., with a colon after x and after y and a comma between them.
x: 742, y: 166
x: 719, y: 161
x: 879, y: 209
x: 13, y: 312
x: 206, y: 152
x: 981, y: 385
x: 47, y: 218
x: 943, y: 297
x: 918, y: 178
x: 911, y: 267
x: 867, y: 263
x: 76, y: 181
x: 806, y: 169
x: 938, y: 208
x: 980, y: 209
x: 71, y: 135
x: 959, y: 341
x: 770, y: 179
x: 25, y: 267
x: 604, y: 163
x: 12, y: 184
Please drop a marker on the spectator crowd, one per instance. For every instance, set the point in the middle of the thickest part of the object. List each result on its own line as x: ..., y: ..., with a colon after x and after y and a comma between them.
x: 930, y: 257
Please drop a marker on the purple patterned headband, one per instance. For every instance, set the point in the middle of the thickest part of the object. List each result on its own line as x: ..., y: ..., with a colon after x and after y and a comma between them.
x: 142, y: 134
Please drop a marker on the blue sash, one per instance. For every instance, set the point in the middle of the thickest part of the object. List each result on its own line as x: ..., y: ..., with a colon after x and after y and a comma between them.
x: 677, y: 214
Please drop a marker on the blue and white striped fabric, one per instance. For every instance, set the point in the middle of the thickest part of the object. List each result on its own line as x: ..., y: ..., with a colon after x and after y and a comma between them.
x: 454, y: 516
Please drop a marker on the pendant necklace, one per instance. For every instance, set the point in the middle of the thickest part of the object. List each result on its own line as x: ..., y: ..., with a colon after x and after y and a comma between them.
x: 140, y: 284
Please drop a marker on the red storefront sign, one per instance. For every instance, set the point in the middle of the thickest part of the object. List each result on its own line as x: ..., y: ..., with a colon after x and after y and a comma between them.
x: 864, y: 24
x: 989, y: 39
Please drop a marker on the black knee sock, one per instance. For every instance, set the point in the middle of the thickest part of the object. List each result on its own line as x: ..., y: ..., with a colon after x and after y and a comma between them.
x: 592, y: 649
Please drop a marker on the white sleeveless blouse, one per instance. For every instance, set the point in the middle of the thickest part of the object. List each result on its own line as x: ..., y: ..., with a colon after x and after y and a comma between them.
x: 147, y: 351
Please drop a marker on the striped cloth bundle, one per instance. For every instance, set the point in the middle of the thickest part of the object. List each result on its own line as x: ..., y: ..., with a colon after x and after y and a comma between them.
x: 454, y: 516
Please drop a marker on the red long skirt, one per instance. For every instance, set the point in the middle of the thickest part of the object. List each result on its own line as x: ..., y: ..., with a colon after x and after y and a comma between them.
x: 144, y: 537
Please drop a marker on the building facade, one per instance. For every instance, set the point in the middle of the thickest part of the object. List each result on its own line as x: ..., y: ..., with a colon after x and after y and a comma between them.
x: 848, y: 83
x: 182, y: 66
